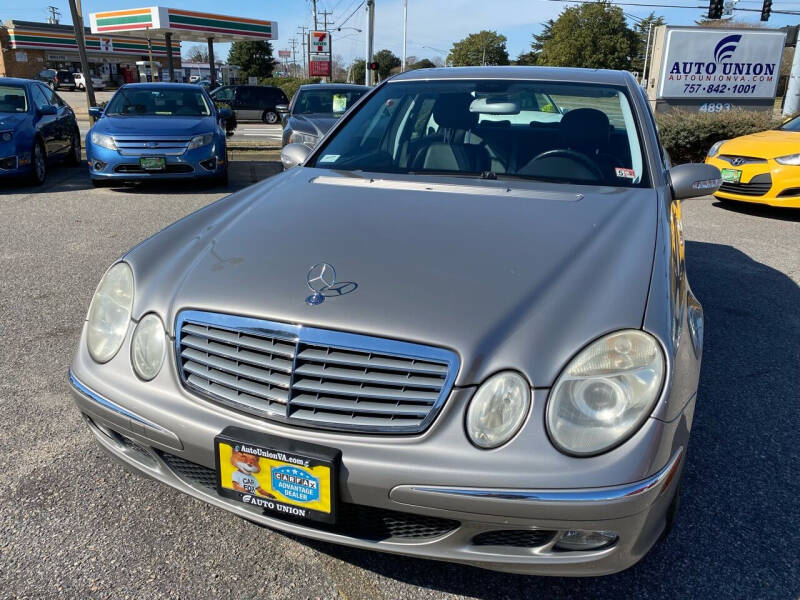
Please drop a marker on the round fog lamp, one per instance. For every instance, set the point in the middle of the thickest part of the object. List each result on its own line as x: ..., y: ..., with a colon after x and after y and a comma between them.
x: 148, y: 347
x: 585, y: 540
x: 497, y: 410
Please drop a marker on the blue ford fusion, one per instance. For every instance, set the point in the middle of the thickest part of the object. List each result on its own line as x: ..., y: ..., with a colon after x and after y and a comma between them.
x: 36, y: 127
x: 157, y: 131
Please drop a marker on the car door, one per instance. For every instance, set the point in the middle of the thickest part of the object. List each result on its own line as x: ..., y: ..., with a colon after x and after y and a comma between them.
x: 46, y: 125
x: 64, y: 120
x: 247, y: 104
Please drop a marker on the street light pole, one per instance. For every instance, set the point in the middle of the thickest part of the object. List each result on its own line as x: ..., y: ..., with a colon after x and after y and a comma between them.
x: 405, y: 30
x: 77, y: 24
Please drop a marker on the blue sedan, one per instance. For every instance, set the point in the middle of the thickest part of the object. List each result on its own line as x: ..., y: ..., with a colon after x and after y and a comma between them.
x: 157, y: 131
x: 36, y: 128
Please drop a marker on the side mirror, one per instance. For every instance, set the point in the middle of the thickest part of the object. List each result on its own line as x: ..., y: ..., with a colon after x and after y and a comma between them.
x: 95, y: 112
x: 48, y: 110
x: 225, y: 113
x: 691, y: 180
x: 294, y: 154
x: 282, y: 108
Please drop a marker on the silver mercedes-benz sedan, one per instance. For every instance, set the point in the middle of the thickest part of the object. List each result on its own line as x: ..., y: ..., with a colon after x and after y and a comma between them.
x: 459, y: 328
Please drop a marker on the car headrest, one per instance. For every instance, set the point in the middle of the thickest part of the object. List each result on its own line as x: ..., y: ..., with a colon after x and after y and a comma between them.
x: 452, y: 111
x: 586, y: 129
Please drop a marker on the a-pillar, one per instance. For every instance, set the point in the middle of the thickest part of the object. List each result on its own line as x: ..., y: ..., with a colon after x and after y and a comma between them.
x: 213, y: 73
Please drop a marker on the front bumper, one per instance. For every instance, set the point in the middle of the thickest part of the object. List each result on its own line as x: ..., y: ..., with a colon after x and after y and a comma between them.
x: 167, y: 433
x: 107, y: 164
x: 782, y: 187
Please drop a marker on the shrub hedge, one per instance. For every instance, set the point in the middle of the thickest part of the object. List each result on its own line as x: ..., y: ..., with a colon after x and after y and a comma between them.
x: 289, y: 85
x: 687, y: 136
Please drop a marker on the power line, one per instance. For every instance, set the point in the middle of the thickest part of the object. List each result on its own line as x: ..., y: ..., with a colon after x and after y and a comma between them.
x: 351, y: 14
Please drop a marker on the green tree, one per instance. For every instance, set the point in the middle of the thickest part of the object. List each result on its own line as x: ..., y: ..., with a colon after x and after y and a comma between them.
x: 593, y: 35
x: 482, y: 48
x: 357, y: 71
x: 387, y: 61
x: 649, y: 23
x: 425, y: 63
x: 253, y: 58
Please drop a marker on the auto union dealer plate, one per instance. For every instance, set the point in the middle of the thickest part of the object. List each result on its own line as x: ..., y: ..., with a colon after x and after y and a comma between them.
x: 287, y: 477
x: 731, y: 175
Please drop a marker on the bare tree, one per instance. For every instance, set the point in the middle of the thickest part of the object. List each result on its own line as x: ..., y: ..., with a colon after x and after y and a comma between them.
x: 197, y: 54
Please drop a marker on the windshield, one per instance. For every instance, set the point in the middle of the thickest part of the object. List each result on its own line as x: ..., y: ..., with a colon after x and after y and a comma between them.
x: 564, y: 132
x: 791, y: 125
x: 13, y: 99
x: 150, y: 101
x: 328, y: 101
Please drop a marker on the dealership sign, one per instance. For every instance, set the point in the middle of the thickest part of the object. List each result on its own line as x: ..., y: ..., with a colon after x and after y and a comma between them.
x: 720, y: 64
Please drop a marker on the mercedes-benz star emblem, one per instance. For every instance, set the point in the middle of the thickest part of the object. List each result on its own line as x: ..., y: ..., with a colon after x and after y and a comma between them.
x: 320, y: 278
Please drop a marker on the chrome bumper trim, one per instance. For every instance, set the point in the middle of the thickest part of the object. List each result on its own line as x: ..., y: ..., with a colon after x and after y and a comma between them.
x: 609, y: 494
x: 92, y: 395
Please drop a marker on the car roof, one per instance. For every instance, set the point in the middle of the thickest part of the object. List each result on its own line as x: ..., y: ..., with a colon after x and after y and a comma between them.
x: 338, y: 86
x: 15, y: 81
x: 163, y: 84
x: 566, y: 74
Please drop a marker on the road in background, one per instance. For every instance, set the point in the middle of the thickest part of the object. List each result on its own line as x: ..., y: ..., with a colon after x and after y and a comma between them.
x: 76, y: 525
x: 261, y: 134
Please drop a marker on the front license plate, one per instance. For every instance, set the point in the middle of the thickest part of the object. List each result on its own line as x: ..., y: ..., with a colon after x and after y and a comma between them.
x: 282, y: 476
x: 731, y: 175
x: 153, y: 163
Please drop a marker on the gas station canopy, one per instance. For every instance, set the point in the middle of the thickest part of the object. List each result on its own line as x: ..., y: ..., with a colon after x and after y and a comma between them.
x: 184, y: 25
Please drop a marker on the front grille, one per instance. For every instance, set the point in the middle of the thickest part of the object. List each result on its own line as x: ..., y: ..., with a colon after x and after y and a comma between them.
x: 742, y: 160
x: 171, y: 168
x: 519, y: 538
x: 135, y: 145
x: 353, y: 520
x: 313, y: 377
x: 757, y: 186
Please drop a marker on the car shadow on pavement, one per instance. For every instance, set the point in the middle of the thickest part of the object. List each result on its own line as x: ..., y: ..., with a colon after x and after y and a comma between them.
x: 736, y: 533
x: 760, y: 210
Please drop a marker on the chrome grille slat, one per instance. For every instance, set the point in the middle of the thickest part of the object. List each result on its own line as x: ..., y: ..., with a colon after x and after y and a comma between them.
x: 353, y: 359
x: 318, y: 370
x: 313, y: 377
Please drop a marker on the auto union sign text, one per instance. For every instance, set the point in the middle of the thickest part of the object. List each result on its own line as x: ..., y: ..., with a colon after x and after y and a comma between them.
x: 721, y: 63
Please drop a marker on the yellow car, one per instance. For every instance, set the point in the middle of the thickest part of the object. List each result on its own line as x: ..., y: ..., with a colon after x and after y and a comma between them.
x: 762, y: 167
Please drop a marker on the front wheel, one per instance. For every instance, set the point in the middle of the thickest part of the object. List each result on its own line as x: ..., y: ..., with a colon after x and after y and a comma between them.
x: 39, y: 164
x: 270, y: 117
x: 74, y: 156
x: 81, y: 87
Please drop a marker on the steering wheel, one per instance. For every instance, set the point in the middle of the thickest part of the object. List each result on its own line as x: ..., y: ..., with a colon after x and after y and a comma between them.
x: 572, y: 155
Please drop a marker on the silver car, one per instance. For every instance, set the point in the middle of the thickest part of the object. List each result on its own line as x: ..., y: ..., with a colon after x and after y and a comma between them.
x: 459, y: 329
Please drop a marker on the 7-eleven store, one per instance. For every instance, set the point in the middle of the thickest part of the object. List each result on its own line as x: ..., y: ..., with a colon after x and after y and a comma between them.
x: 29, y: 47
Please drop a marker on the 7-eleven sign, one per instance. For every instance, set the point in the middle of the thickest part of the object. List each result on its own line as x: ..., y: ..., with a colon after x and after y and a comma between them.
x: 319, y: 42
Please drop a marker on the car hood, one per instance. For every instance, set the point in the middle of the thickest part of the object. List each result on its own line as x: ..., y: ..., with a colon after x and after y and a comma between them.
x: 132, y: 125
x: 318, y: 124
x: 12, y: 120
x: 764, y: 144
x: 510, y: 277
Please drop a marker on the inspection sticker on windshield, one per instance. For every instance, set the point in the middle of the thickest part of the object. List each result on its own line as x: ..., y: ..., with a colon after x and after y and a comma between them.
x: 329, y: 158
x: 625, y: 173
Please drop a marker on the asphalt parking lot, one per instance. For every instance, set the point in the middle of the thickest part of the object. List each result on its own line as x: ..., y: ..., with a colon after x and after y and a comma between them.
x: 75, y: 525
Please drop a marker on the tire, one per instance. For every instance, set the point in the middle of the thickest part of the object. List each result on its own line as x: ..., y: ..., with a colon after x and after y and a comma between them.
x: 221, y: 179
x: 38, y: 164
x: 81, y: 87
x: 74, y: 157
x: 270, y: 117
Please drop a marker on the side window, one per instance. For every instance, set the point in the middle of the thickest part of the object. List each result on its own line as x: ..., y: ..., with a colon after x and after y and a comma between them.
x: 224, y: 94
x: 246, y: 96
x: 39, y: 99
x: 52, y: 97
x: 424, y: 116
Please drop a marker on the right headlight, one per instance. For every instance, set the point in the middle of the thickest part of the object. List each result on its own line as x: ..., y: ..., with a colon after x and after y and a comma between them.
x: 110, y: 313
x: 605, y: 393
x: 103, y: 140
x: 715, y: 148
x: 303, y: 138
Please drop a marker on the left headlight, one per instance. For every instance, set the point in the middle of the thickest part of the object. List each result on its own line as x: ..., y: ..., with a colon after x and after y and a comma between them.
x: 605, y: 393
x: 110, y: 313
x: 199, y: 141
x: 148, y: 347
x: 308, y: 139
x: 103, y: 140
x: 498, y: 409
x: 791, y: 159
x: 6, y: 136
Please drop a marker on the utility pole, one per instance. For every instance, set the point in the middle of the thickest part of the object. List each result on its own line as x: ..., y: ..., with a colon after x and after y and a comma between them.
x: 370, y: 39
x: 325, y: 23
x: 643, y: 81
x: 293, y: 42
x: 791, y: 102
x: 77, y: 24
x: 54, y: 15
x: 303, y: 43
x: 405, y: 30
x: 314, y: 14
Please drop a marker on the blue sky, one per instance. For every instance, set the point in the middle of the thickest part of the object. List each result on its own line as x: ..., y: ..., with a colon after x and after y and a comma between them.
x: 433, y: 23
